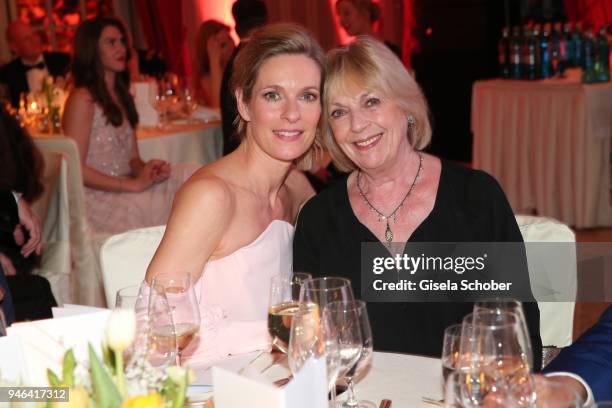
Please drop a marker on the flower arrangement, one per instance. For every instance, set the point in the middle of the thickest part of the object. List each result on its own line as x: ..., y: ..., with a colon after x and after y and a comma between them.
x: 106, y: 383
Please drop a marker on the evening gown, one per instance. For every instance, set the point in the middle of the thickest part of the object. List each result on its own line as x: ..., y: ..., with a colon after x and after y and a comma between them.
x: 233, y: 294
x: 109, y: 152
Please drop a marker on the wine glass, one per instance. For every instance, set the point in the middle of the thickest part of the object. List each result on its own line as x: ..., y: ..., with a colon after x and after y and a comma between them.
x: 320, y: 292
x: 492, y: 358
x: 508, y: 305
x: 354, y: 342
x: 184, y: 307
x: 283, y: 304
x: 450, y: 350
x: 3, y: 324
x: 452, y: 391
x: 158, y: 100
x: 312, y: 338
x: 549, y: 393
x: 189, y: 103
x: 152, y: 314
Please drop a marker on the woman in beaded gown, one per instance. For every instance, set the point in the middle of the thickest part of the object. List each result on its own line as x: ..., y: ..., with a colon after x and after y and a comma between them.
x: 122, y: 191
x: 231, y: 227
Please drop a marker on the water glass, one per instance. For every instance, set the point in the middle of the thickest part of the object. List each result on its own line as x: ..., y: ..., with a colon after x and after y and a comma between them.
x: 492, y: 358
x: 354, y: 333
x: 508, y: 305
x: 450, y: 350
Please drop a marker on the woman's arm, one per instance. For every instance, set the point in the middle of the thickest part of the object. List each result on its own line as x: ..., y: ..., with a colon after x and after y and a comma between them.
x: 201, y: 213
x: 77, y: 121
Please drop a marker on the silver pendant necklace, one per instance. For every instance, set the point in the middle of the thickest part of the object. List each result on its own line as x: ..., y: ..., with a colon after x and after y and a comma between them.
x: 381, y: 216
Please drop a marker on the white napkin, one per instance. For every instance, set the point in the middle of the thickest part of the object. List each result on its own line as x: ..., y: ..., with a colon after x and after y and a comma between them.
x: 45, y: 341
x: 142, y: 91
x: 307, y: 389
x: 13, y: 367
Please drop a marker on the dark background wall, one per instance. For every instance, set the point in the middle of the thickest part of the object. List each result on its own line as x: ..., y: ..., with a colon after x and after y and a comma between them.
x: 457, y: 45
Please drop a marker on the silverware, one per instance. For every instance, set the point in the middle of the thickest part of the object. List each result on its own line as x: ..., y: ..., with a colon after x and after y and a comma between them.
x: 433, y: 401
x: 385, y: 403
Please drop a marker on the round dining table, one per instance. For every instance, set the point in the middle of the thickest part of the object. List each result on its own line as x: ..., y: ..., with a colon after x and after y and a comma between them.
x: 402, y: 378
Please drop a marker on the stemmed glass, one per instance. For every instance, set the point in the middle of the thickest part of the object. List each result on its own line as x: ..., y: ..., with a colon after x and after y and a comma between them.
x: 159, y: 101
x: 152, y: 314
x: 184, y: 307
x: 450, y: 350
x: 189, y: 103
x: 492, y: 358
x: 310, y: 338
x: 355, y: 343
x: 283, y: 305
x: 508, y: 305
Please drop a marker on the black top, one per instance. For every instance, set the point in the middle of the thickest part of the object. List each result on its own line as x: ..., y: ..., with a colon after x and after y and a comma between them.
x: 395, y: 48
x: 470, y: 206
x: 13, y: 74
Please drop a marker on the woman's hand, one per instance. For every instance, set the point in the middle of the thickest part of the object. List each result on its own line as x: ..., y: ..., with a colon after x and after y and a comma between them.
x: 161, y: 170
x: 30, y: 221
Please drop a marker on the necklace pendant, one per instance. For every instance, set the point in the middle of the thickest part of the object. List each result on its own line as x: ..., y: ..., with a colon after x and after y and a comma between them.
x: 388, y: 233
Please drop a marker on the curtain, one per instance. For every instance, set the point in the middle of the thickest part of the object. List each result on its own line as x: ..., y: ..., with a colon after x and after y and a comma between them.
x: 593, y: 13
x: 162, y: 23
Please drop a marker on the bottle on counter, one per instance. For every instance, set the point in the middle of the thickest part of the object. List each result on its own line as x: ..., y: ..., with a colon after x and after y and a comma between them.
x: 589, y: 51
x: 602, y: 67
x: 528, y: 57
x: 504, y: 53
x: 577, y: 44
x: 558, y: 54
x: 569, y: 46
x: 515, y: 53
x: 545, y: 52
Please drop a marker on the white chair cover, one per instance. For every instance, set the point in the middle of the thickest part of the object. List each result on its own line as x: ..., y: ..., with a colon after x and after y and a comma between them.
x: 125, y: 258
x: 558, y: 273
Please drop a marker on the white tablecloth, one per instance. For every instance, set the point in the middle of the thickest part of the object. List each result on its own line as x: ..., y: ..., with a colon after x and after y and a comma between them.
x: 199, y: 143
x: 548, y: 144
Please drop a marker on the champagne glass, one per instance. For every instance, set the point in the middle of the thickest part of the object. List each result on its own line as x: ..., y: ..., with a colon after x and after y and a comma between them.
x: 492, y: 358
x: 184, y: 308
x: 152, y: 314
x: 450, y: 350
x: 354, y: 342
x: 3, y: 324
x: 283, y: 305
x: 508, y: 305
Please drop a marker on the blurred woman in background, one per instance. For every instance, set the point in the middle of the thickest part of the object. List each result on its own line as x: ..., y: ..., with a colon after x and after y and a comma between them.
x: 121, y: 190
x: 213, y: 49
x: 358, y: 17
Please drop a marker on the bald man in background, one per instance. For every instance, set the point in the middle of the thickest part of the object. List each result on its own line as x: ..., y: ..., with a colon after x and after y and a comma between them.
x: 31, y: 65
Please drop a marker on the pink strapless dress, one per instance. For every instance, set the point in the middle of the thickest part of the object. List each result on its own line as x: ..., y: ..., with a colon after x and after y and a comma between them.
x: 233, y: 294
x: 110, y: 150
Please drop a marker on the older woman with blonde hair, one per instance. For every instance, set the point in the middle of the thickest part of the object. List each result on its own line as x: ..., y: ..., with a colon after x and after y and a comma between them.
x: 231, y: 225
x: 375, y: 125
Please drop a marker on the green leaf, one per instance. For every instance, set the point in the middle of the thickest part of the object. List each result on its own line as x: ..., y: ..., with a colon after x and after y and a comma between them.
x: 53, y: 379
x: 68, y: 369
x: 105, y: 391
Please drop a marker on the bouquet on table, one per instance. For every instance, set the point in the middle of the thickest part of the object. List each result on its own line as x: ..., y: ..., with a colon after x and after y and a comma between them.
x: 105, y: 382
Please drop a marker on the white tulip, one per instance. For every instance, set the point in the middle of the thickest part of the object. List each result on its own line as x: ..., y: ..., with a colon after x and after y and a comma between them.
x: 121, y: 329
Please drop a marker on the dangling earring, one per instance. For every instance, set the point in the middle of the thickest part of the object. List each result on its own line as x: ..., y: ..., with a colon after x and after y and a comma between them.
x: 411, y: 123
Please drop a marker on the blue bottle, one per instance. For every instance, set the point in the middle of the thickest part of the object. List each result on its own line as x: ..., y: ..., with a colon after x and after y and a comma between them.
x: 545, y: 54
x: 578, y: 46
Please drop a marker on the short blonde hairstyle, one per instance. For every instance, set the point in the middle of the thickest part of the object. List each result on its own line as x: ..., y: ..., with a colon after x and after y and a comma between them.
x: 265, y: 43
x: 369, y: 64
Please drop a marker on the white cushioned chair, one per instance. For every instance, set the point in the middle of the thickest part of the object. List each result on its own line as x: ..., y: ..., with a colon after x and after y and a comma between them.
x: 555, y: 269
x: 125, y: 258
